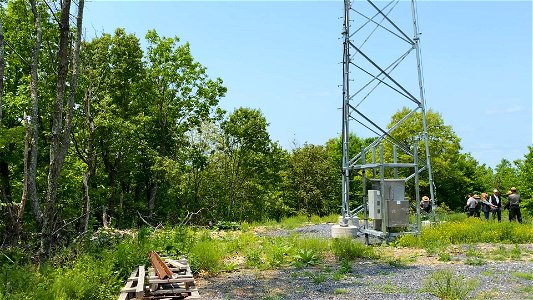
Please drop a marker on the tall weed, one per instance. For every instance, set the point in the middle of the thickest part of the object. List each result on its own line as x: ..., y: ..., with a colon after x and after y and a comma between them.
x: 207, y: 255
x: 348, y: 250
x: 448, y: 286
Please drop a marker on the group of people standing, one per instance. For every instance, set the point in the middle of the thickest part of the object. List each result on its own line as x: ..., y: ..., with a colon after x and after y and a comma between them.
x: 493, y: 204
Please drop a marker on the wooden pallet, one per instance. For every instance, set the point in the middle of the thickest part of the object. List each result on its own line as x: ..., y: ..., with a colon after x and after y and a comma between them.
x: 181, y: 284
x: 134, y: 288
x: 178, y: 284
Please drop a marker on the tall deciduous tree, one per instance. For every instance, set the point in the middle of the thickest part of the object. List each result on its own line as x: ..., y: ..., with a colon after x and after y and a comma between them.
x: 183, y: 97
x: 246, y: 149
x: 33, y: 134
x: 61, y: 121
x: 505, y: 175
x: 314, y: 180
x: 525, y: 175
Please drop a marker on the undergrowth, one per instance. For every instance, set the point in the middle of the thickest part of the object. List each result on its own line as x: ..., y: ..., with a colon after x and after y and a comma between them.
x: 97, y: 267
x: 470, y: 230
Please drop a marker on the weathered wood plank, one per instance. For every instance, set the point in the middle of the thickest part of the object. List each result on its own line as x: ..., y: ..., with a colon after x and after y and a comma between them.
x: 177, y: 264
x: 174, y: 280
x: 139, y: 291
x: 124, y: 295
x: 172, y: 291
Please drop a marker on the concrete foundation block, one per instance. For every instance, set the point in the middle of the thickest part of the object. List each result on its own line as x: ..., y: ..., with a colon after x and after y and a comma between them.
x: 338, y: 231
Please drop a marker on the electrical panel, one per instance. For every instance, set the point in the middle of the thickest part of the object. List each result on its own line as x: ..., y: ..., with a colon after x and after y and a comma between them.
x: 391, y: 206
x: 398, y: 213
x: 375, y: 205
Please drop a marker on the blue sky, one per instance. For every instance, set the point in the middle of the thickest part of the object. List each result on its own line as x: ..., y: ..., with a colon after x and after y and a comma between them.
x: 284, y: 58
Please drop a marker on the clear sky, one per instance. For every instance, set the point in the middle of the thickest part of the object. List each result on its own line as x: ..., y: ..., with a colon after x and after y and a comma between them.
x: 284, y: 58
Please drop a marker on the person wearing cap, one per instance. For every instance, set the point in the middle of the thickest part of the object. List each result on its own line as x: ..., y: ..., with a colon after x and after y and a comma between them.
x: 496, y: 205
x: 425, y: 204
x: 514, y: 206
x: 471, y: 203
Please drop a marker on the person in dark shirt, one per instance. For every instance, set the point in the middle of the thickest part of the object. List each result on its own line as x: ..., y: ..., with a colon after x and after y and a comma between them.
x: 425, y: 204
x: 496, y: 205
x: 514, y: 206
x: 485, y: 205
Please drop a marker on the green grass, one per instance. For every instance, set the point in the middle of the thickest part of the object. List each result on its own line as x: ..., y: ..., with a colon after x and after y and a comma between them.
x: 522, y: 275
x: 340, y: 291
x: 445, y: 256
x: 349, y: 250
x: 446, y: 285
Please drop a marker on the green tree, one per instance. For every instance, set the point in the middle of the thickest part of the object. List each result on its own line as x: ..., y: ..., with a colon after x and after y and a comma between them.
x: 525, y: 176
x: 314, y: 180
x: 505, y: 176
x: 247, y: 165
x: 334, y: 150
x: 183, y: 98
x: 454, y: 173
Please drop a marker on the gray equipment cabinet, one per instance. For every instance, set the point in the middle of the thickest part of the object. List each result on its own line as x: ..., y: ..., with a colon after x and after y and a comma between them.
x: 395, y: 207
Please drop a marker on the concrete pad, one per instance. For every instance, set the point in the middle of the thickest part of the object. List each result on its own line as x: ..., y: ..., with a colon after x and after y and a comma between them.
x: 338, y: 231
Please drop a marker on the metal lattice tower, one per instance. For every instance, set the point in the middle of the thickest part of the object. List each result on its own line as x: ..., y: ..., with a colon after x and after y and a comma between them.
x: 378, y: 80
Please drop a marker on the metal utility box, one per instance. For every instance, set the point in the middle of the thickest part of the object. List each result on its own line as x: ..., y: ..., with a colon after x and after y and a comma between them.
x: 394, y: 207
x: 398, y: 213
x: 394, y: 189
x: 374, y: 204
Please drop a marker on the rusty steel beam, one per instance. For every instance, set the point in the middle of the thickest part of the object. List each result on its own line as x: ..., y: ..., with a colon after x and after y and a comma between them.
x: 161, y: 269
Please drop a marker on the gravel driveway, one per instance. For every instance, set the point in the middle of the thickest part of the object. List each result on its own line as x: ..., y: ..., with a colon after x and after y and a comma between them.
x: 370, y: 279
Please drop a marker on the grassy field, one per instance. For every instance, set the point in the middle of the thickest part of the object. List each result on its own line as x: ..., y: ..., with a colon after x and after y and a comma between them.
x: 96, y: 268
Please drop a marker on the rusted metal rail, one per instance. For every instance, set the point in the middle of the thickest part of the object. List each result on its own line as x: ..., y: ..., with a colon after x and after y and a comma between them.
x: 161, y: 269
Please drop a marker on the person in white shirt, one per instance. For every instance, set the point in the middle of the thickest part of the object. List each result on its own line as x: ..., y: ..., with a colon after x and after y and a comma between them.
x: 496, y: 202
x: 471, y: 203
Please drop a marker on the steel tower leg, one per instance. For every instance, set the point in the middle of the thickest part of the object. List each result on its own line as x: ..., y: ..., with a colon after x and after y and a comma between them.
x: 345, y: 118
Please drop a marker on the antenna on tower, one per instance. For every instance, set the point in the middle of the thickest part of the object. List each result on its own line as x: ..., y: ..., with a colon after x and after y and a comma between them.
x: 379, y: 63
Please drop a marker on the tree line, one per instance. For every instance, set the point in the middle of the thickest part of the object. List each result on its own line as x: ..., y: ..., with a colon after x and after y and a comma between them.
x: 106, y: 133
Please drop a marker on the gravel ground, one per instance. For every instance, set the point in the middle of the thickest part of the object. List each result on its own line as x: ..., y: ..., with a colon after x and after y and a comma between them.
x: 369, y: 279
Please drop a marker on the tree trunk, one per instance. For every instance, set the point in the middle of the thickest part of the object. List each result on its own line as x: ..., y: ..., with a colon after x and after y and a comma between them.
x: 111, y: 169
x: 17, y: 228
x: 2, y: 66
x: 91, y: 166
x: 33, y: 134
x: 5, y: 189
x: 151, y: 197
x: 61, y: 133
